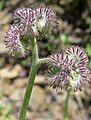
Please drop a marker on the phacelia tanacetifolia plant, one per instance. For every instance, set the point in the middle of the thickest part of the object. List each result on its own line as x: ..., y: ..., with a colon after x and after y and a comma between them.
x: 66, y: 69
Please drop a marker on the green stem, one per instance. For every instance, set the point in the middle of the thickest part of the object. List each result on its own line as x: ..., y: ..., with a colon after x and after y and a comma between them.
x: 66, y: 106
x: 36, y: 62
x: 32, y: 75
x: 35, y: 50
x: 28, y: 92
x: 43, y: 60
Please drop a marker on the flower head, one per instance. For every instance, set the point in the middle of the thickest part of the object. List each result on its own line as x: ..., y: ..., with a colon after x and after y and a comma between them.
x: 45, y: 19
x: 59, y: 59
x: 13, y: 42
x: 79, y: 71
x: 37, y: 21
x: 28, y: 22
x: 57, y: 76
x: 77, y: 55
x: 23, y: 18
x: 68, y: 69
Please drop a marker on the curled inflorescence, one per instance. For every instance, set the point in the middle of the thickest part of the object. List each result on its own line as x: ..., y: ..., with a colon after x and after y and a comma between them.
x: 45, y: 19
x: 28, y: 22
x: 68, y: 69
x: 12, y: 41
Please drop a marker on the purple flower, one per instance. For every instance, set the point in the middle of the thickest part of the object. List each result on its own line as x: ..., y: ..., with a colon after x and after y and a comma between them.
x: 59, y: 59
x: 79, y: 78
x: 24, y: 18
x: 39, y: 20
x: 57, y: 81
x: 79, y: 71
x: 68, y: 69
x: 28, y: 22
x: 13, y: 43
x: 58, y: 73
x: 76, y: 54
x: 44, y: 20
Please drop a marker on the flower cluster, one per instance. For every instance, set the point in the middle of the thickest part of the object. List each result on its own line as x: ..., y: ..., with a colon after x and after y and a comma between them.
x: 12, y: 41
x: 45, y: 19
x: 68, y: 69
x: 31, y: 23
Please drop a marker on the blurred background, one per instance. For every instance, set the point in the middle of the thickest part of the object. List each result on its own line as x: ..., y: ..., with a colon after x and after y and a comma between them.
x: 46, y: 104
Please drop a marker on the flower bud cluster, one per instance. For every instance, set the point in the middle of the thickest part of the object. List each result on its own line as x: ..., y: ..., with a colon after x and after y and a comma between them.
x: 68, y: 69
x: 32, y: 22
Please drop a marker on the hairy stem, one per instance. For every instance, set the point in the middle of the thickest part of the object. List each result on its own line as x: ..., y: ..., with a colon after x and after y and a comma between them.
x: 66, y: 106
x: 43, y: 60
x: 36, y: 62
x: 30, y: 84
